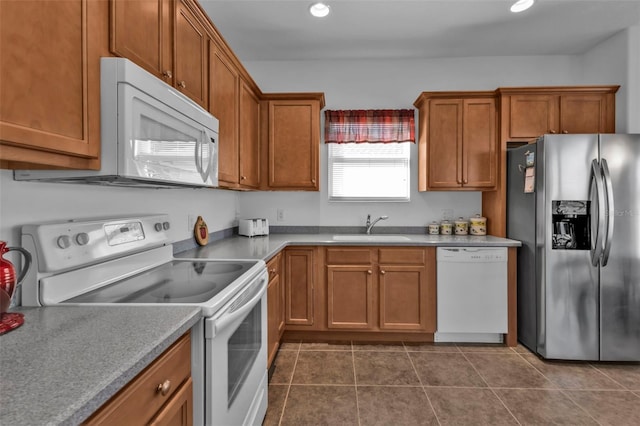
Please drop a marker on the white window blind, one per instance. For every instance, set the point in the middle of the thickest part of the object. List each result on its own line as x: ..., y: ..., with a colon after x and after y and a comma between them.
x: 369, y: 171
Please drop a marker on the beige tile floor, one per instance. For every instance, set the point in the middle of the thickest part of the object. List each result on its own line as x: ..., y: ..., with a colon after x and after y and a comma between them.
x: 326, y: 384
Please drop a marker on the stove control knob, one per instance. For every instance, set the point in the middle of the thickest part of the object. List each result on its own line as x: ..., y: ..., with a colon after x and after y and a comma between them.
x: 63, y: 241
x: 158, y: 226
x: 166, y: 226
x: 82, y: 238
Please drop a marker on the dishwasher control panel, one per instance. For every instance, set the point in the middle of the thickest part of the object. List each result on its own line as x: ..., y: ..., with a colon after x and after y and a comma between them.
x: 472, y: 254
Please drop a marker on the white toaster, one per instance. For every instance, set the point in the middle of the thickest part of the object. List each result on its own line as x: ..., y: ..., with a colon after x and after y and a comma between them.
x: 253, y: 227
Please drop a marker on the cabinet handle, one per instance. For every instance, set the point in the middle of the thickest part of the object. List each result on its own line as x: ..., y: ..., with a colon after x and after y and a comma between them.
x: 182, y: 84
x: 164, y: 387
x: 369, y: 272
x: 382, y: 272
x: 273, y: 271
x: 553, y: 132
x: 243, y: 177
x: 466, y: 181
x: 313, y: 181
x: 565, y: 132
x: 167, y: 74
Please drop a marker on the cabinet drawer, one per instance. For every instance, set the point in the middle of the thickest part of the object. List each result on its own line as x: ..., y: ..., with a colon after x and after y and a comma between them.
x: 141, y: 399
x: 349, y: 256
x: 402, y: 256
x: 273, y: 266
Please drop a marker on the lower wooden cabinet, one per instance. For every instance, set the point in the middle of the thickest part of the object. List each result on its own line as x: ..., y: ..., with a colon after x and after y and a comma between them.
x: 275, y: 307
x: 162, y: 394
x: 381, y: 289
x: 299, y: 277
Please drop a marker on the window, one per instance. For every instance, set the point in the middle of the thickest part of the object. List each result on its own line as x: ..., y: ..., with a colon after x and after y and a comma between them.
x: 368, y: 154
x: 369, y: 171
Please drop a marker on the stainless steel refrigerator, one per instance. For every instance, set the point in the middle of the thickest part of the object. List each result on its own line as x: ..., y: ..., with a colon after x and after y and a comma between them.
x: 574, y: 202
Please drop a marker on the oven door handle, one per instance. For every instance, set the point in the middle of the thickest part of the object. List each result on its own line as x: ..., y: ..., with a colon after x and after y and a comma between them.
x: 236, y: 311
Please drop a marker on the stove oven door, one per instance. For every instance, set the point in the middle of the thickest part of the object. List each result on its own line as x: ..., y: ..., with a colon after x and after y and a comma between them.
x: 236, y: 359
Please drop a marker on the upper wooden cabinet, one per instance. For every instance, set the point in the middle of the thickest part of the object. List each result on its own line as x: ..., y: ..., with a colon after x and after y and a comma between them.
x: 165, y: 37
x: 531, y: 112
x: 236, y: 105
x: 291, y: 130
x: 457, y: 147
x: 50, y: 97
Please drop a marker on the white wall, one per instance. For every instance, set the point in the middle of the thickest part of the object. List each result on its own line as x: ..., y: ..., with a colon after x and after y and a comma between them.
x: 34, y: 202
x: 371, y: 84
x: 617, y: 61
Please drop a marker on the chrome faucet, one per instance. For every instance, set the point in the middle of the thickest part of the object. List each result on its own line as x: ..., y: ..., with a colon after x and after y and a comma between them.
x: 371, y: 224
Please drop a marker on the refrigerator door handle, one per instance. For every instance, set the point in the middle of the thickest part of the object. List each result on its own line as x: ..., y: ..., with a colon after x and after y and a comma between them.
x: 609, y: 212
x: 596, y: 180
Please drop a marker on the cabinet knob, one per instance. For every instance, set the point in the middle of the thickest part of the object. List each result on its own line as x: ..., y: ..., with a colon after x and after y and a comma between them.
x: 313, y: 181
x: 243, y: 177
x: 167, y: 74
x: 465, y: 181
x: 553, y: 132
x: 273, y: 271
x: 369, y: 272
x: 164, y: 387
x: 565, y: 132
x: 382, y: 272
x: 182, y: 84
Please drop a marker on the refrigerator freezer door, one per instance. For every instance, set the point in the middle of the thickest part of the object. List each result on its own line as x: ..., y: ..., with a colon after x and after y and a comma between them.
x: 567, y: 281
x: 620, y: 277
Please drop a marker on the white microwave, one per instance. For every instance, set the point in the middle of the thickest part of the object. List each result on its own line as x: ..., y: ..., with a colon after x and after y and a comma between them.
x: 151, y: 135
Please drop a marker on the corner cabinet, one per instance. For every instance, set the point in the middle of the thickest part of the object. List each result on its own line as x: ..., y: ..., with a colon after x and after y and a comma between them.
x: 162, y: 394
x: 291, y: 141
x: 50, y: 98
x: 458, y: 144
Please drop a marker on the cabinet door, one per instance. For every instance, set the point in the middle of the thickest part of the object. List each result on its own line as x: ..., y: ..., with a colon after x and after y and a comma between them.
x: 445, y: 143
x: 273, y: 318
x: 249, y: 137
x: 223, y: 98
x: 50, y: 92
x: 179, y: 410
x: 350, y: 298
x: 294, y: 138
x: 479, y: 162
x: 533, y: 115
x: 299, y: 282
x: 583, y: 114
x: 141, y: 30
x: 190, y: 47
x: 405, y: 298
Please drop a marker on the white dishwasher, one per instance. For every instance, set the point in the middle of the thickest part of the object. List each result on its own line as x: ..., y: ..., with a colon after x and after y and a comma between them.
x: 471, y: 294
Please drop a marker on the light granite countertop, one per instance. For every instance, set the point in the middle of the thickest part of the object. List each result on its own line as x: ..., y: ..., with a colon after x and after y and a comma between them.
x: 265, y: 247
x: 63, y: 363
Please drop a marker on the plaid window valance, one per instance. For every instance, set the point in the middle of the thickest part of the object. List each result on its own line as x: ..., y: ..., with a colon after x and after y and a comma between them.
x: 372, y: 126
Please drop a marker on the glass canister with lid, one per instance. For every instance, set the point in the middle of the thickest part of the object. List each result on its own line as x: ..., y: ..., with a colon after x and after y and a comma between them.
x: 478, y: 225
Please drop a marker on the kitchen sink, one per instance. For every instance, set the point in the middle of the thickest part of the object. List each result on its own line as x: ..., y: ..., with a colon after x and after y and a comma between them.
x: 372, y: 238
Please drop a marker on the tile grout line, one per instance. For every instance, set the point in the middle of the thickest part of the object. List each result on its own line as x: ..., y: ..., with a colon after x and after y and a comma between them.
x: 490, y: 388
x: 609, y: 377
x: 559, y: 388
x: 422, y: 385
x: 355, y: 382
x: 286, y: 396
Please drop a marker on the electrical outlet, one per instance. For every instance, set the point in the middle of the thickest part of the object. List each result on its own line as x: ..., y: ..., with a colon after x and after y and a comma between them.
x: 447, y: 214
x: 280, y: 215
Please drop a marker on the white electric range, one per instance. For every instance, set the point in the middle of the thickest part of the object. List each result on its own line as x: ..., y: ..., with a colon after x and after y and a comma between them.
x: 130, y: 261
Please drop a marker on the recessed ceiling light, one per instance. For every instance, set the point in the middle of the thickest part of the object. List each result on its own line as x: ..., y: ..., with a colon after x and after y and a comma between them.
x: 521, y: 5
x: 319, y: 10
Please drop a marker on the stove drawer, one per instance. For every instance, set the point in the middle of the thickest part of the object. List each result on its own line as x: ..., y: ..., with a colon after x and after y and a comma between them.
x: 140, y: 400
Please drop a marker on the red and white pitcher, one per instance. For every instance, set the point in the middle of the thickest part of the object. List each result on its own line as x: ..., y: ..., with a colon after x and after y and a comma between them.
x: 8, y: 280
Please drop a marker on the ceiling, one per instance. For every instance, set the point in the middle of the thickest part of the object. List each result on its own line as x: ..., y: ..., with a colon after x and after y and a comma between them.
x: 375, y: 29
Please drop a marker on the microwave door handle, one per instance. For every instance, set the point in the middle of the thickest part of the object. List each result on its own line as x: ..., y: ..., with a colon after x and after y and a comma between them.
x: 609, y: 212
x: 198, y: 157
x: 206, y: 172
